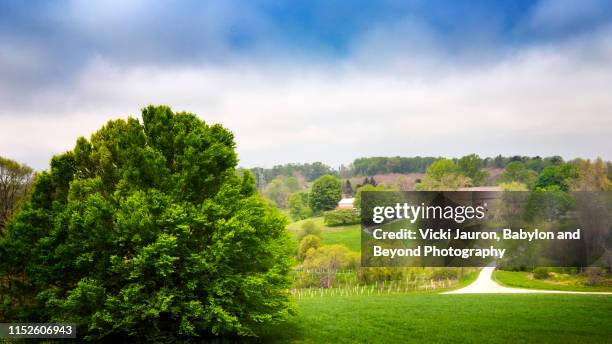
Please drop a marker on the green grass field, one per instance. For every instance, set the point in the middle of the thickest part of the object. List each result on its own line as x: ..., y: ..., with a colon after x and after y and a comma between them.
x: 429, y: 317
x: 521, y: 279
x: 435, y: 318
x: 349, y: 236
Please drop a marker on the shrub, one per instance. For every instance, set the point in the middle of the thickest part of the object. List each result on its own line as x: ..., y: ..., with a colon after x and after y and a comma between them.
x: 308, y: 242
x: 326, y: 261
x: 298, y: 206
x: 309, y: 228
x: 370, y: 275
x: 341, y: 217
x: 439, y: 274
x: 541, y: 273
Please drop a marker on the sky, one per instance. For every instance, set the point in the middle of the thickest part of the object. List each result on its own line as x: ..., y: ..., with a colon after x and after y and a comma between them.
x: 303, y: 81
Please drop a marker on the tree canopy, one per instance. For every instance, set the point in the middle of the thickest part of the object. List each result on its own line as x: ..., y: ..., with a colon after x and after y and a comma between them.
x: 146, y: 231
x: 471, y: 167
x: 516, y: 171
x: 442, y: 175
x: 325, y: 193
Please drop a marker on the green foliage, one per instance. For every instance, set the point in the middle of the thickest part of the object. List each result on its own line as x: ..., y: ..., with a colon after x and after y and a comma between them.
x: 367, y: 187
x: 548, y: 204
x: 471, y: 167
x: 371, y: 275
x: 309, y: 171
x: 341, y: 217
x: 308, y: 242
x: 15, y: 182
x: 145, y: 232
x: 298, y: 206
x: 517, y: 172
x: 309, y: 227
x: 443, y: 175
x: 536, y: 163
x: 380, y: 165
x: 448, y: 182
x: 441, y: 168
x: 513, y: 186
x: 557, y: 177
x: 444, y: 274
x: 541, y: 273
x: 327, y: 259
x: 279, y: 190
x: 325, y: 193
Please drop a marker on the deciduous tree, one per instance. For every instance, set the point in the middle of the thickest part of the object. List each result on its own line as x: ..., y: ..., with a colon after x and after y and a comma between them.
x: 145, y: 232
x: 325, y: 193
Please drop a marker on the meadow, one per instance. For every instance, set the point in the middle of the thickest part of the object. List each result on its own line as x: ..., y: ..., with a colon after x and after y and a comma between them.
x: 436, y: 318
x: 349, y: 236
x: 397, y: 313
x: 563, y: 282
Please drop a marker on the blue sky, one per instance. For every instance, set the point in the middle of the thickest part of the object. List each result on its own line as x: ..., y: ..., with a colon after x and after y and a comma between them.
x: 315, y: 80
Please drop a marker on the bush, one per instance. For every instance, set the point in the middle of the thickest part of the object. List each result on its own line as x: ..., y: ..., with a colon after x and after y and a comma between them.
x: 298, y: 206
x: 308, y: 242
x: 146, y: 233
x: 541, y: 273
x: 309, y: 228
x: 341, y: 217
x: 371, y: 275
x: 439, y: 274
x: 327, y: 260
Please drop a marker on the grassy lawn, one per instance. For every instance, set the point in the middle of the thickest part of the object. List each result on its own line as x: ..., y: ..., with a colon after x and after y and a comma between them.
x: 349, y: 236
x: 434, y: 318
x: 521, y: 279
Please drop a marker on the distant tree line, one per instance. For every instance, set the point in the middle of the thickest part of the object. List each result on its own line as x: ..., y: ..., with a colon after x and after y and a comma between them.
x: 381, y: 165
x: 535, y: 163
x: 310, y: 171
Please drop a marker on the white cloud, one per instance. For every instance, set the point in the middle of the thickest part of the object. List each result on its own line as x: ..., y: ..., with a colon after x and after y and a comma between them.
x: 539, y: 101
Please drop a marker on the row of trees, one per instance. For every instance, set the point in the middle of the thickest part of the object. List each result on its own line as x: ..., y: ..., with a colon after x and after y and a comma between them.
x: 382, y: 165
x: 308, y: 171
x: 579, y: 174
x: 403, y: 165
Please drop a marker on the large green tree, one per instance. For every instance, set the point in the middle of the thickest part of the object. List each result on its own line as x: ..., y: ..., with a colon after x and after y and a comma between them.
x: 146, y: 232
x: 443, y: 175
x: 516, y: 171
x: 325, y: 193
x: 557, y: 177
x: 471, y: 167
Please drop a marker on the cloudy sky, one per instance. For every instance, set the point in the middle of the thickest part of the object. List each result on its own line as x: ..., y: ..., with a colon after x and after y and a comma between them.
x: 301, y: 81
